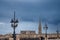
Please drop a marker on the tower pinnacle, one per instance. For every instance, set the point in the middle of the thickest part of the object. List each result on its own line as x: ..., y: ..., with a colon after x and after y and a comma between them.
x: 40, y: 28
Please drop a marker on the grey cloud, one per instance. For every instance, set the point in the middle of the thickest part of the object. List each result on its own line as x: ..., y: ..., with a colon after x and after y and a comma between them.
x: 31, y: 11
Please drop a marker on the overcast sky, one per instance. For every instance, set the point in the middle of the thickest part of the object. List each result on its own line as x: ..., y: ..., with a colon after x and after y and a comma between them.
x: 28, y: 13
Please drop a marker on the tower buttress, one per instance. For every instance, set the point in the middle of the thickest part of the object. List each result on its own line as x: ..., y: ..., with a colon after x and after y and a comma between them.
x: 40, y: 28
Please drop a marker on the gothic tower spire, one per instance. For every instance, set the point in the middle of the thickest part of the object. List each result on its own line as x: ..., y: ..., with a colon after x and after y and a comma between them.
x: 39, y: 28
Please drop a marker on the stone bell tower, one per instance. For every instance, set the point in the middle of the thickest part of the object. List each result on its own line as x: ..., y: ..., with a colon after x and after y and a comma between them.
x: 40, y: 28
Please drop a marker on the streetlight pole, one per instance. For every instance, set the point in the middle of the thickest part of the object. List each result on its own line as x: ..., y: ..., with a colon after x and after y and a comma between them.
x: 57, y: 33
x: 14, y: 25
x: 45, y: 31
